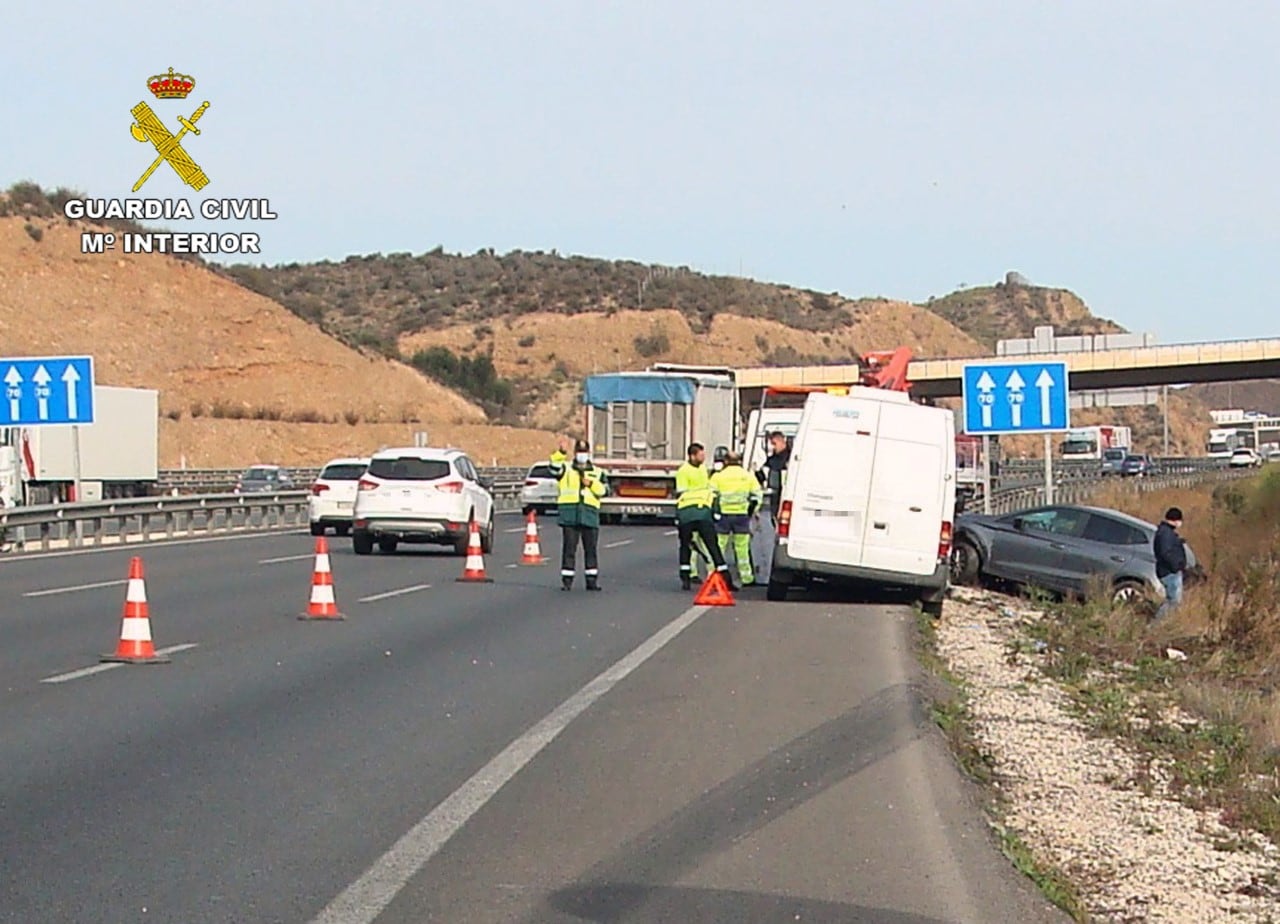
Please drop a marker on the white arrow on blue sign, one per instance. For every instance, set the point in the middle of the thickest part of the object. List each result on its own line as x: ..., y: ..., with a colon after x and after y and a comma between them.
x: 46, y: 391
x: 1007, y: 398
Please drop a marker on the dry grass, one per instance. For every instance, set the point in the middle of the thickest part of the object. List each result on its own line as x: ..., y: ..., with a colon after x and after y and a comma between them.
x: 1227, y: 753
x: 227, y: 443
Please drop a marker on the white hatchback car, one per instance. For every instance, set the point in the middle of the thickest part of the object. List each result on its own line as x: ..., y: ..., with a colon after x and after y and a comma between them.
x: 333, y: 496
x: 421, y: 495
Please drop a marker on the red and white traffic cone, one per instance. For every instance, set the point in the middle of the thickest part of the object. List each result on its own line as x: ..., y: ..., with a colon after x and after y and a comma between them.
x: 324, y: 603
x: 473, y: 569
x: 532, y: 549
x: 135, y: 645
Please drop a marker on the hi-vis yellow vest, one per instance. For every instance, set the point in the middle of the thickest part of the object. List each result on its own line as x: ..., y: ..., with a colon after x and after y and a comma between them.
x: 737, y: 489
x: 693, y: 486
x: 572, y: 488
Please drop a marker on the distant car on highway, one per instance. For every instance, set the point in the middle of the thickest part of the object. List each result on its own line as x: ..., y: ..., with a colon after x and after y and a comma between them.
x: 1244, y: 457
x: 333, y: 496
x: 259, y: 479
x: 421, y: 495
x: 541, y: 491
x: 1136, y: 464
x: 1113, y: 461
x: 1064, y: 549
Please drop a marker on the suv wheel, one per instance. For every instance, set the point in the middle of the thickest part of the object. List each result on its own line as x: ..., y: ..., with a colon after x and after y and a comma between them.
x: 361, y: 543
x: 388, y: 545
x: 317, y: 529
x: 486, y: 537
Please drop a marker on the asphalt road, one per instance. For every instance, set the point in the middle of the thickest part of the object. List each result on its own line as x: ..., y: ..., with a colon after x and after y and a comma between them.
x: 756, y: 763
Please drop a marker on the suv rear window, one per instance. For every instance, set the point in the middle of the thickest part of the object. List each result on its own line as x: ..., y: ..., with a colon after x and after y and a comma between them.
x: 540, y: 471
x: 343, y: 471
x: 260, y: 474
x: 1112, y: 455
x: 409, y: 468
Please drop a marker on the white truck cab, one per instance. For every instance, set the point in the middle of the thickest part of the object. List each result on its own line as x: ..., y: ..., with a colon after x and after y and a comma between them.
x: 869, y: 496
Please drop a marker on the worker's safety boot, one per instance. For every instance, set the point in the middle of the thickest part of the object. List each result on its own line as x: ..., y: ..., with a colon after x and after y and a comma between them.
x: 593, y: 583
x: 566, y: 583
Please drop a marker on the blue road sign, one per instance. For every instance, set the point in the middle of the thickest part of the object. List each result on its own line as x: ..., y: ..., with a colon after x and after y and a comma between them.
x: 46, y: 390
x: 1012, y: 397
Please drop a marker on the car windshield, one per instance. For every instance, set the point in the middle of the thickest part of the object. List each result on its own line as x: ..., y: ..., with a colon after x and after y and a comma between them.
x: 540, y: 471
x: 259, y: 474
x: 409, y: 468
x: 342, y: 471
x: 1135, y: 459
x: 1113, y: 454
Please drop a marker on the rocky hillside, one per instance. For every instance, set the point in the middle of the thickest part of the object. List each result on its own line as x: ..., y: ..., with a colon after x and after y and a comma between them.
x: 1014, y: 308
x: 456, y: 341
x: 241, y: 379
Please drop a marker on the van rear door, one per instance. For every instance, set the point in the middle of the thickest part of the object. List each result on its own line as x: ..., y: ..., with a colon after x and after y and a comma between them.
x: 830, y: 479
x: 914, y: 451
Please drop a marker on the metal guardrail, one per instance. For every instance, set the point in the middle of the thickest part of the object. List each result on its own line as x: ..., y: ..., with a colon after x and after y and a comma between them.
x: 99, y: 523
x: 141, y: 519
x: 1022, y: 497
x: 217, y: 480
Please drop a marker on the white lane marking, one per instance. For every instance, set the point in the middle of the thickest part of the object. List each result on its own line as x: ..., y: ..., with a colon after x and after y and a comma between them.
x: 276, y: 561
x: 672, y: 532
x: 99, y: 668
x: 518, y: 529
x: 66, y: 590
x: 367, y: 897
x: 618, y: 544
x: 393, y: 593
x: 513, y: 566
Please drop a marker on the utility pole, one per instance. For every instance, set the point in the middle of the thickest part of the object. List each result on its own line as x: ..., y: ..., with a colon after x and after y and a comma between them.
x: 1166, y: 421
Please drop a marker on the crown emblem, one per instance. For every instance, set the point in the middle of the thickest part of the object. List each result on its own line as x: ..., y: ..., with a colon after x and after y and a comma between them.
x: 171, y: 85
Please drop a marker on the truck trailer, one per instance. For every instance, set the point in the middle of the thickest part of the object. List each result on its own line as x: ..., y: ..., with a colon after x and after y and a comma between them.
x: 639, y: 426
x: 1092, y: 442
x: 119, y: 452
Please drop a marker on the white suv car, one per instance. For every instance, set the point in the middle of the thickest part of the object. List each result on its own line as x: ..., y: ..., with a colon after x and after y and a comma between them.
x: 333, y: 496
x: 421, y: 495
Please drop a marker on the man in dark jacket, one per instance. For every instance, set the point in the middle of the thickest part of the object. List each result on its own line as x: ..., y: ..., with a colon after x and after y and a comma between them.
x: 770, y: 474
x: 1171, y: 559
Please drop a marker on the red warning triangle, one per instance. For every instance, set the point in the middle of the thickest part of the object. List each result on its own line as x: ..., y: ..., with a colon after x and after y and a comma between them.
x: 714, y: 592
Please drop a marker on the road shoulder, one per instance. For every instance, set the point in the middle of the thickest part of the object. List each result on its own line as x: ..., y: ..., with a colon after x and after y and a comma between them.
x: 773, y: 762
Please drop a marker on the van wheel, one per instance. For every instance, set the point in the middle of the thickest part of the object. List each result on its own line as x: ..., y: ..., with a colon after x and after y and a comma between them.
x: 932, y: 608
x: 777, y: 590
x: 361, y: 543
x: 388, y: 545
x: 965, y: 563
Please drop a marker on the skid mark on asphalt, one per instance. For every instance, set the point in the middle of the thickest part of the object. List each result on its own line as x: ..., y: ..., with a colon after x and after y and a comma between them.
x: 99, y: 668
x: 368, y: 896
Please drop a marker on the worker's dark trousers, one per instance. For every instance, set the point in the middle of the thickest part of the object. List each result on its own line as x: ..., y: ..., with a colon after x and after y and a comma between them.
x: 569, y: 537
x: 706, y: 530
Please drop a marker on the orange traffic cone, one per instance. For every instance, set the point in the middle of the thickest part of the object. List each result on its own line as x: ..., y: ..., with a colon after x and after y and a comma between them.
x: 135, y: 645
x: 473, y: 570
x: 323, y: 605
x: 714, y: 591
x: 532, y: 550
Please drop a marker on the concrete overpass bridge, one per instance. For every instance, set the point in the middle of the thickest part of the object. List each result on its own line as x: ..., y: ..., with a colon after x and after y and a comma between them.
x: 1090, y: 370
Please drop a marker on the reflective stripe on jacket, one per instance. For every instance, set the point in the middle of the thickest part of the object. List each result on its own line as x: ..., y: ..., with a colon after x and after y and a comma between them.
x: 738, y: 491
x: 693, y: 486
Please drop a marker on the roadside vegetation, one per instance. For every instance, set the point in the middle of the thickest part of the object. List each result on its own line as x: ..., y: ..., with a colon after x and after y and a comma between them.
x: 1195, y: 694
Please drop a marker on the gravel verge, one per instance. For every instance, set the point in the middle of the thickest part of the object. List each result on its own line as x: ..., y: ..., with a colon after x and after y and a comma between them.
x: 1132, y: 851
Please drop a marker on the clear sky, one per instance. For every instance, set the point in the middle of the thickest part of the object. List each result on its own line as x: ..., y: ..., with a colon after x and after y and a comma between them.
x: 1124, y: 150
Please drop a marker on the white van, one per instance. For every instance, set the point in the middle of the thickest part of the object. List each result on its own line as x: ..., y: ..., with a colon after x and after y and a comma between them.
x: 869, y: 496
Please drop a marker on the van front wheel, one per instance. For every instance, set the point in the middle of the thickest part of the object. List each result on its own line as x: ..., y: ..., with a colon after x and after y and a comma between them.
x: 777, y: 589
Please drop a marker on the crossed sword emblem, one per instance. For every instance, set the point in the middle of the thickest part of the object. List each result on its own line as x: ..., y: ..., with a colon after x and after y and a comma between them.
x: 148, y: 127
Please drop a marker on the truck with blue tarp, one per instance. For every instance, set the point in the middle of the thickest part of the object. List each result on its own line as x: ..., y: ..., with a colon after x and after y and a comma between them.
x: 640, y: 425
